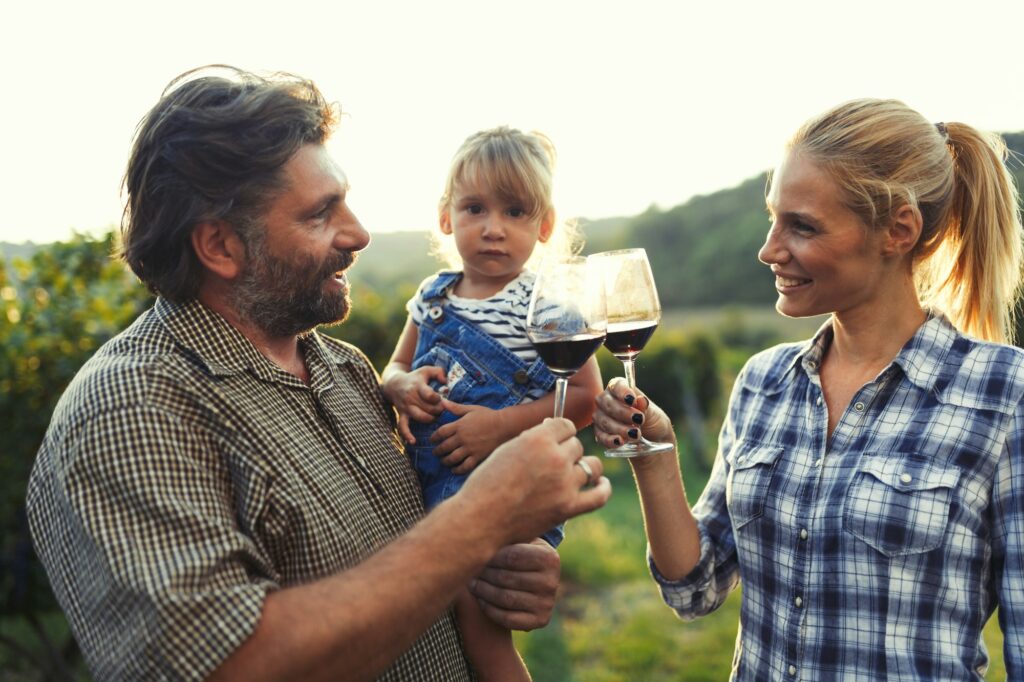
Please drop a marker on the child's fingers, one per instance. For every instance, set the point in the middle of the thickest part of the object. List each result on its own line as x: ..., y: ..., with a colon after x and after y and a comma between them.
x: 466, y: 465
x: 454, y: 458
x: 404, y: 431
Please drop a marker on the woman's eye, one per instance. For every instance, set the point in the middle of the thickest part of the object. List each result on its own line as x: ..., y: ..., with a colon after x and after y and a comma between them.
x: 804, y: 228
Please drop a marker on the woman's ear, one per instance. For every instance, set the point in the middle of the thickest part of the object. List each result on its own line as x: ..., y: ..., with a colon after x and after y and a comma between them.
x: 903, y: 232
x: 218, y: 248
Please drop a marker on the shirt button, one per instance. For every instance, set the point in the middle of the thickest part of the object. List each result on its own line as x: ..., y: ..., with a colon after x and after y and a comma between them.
x: 859, y: 406
x: 792, y: 670
x: 813, y: 364
x: 803, y: 533
x: 799, y: 602
x: 906, y: 478
x: 818, y: 401
x: 817, y: 463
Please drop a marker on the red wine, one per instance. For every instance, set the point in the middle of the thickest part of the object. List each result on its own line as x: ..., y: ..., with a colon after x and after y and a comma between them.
x: 628, y: 338
x: 564, y: 356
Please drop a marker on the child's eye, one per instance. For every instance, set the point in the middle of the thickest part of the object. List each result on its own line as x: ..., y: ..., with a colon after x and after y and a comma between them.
x: 475, y: 209
x: 515, y: 212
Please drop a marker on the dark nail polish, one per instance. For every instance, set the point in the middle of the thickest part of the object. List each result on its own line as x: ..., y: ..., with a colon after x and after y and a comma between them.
x: 629, y: 399
x: 632, y: 433
x: 618, y: 442
x: 638, y: 418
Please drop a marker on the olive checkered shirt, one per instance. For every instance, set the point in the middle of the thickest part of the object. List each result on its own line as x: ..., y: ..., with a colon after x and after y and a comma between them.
x: 184, y: 476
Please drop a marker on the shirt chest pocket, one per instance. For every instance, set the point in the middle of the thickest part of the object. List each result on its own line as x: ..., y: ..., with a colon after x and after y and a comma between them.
x: 900, y: 505
x: 749, y: 481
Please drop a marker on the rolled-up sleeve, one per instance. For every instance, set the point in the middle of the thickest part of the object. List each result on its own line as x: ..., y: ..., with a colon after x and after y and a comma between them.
x: 716, y: 574
x: 133, y: 513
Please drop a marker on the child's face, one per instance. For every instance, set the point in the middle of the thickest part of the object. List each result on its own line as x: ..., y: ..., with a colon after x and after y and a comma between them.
x: 494, y: 237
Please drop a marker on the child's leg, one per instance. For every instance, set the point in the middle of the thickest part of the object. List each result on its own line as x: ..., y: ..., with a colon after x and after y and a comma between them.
x: 488, y: 645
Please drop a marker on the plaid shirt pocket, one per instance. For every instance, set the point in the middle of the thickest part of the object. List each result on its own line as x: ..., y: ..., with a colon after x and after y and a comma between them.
x: 900, y: 505
x: 748, y: 482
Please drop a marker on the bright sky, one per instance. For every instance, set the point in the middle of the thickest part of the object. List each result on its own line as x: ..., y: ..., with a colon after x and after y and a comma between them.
x: 647, y: 102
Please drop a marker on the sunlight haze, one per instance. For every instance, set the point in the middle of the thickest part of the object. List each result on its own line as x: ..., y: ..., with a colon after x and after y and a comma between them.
x: 646, y: 102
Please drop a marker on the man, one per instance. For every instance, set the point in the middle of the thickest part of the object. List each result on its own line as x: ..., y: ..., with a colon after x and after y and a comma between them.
x: 221, y: 490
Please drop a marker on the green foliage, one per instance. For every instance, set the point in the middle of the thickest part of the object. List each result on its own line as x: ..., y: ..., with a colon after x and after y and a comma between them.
x: 704, y: 252
x: 375, y: 322
x: 56, y: 309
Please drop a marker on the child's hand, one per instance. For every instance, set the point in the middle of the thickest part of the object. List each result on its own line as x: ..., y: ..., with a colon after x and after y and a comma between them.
x: 470, y: 439
x: 413, y: 397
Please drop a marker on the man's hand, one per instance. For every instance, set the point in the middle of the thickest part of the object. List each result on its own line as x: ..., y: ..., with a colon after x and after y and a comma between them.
x: 532, y: 483
x: 413, y: 397
x: 466, y: 442
x: 518, y: 588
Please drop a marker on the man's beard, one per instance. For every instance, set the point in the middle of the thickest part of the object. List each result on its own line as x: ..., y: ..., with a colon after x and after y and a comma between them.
x: 284, y: 297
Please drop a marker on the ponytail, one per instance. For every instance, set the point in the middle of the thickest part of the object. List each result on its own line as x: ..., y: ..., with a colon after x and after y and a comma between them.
x: 974, y: 273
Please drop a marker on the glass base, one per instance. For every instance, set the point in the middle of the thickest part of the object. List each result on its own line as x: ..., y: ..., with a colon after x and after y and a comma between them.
x: 640, y: 448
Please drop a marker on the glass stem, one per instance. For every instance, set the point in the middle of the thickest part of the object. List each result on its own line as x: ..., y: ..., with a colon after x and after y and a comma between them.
x: 627, y: 364
x: 561, y: 384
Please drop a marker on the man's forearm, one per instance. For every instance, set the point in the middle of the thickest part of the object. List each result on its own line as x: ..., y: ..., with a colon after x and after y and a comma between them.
x: 355, y: 624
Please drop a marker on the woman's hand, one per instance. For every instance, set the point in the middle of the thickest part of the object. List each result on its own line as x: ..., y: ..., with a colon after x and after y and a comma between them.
x: 413, y: 397
x: 623, y: 412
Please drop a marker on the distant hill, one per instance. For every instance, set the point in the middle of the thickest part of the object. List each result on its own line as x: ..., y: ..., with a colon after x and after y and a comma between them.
x: 703, y: 252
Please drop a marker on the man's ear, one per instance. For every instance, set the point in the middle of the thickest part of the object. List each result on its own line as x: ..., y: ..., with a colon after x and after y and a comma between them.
x: 903, y: 232
x: 218, y: 248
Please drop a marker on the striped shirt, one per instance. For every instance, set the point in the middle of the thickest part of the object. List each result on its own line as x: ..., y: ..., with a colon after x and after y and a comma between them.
x: 881, y: 554
x: 184, y: 476
x: 502, y: 316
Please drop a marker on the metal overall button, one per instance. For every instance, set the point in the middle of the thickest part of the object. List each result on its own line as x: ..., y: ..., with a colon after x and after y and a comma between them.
x: 436, y: 313
x: 521, y: 377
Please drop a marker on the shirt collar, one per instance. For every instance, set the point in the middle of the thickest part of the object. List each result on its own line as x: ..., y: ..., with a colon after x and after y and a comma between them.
x: 921, y: 358
x: 225, y: 350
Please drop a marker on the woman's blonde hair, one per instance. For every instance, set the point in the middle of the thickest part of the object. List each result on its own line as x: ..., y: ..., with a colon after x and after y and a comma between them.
x: 884, y: 155
x: 518, y: 167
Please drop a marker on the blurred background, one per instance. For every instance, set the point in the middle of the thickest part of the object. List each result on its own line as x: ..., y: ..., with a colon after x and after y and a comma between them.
x: 666, y: 118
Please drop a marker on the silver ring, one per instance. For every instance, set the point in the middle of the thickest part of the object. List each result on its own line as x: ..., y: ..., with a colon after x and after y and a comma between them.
x: 587, y: 470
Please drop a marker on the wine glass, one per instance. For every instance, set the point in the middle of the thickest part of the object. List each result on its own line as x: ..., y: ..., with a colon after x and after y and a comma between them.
x: 633, y: 314
x: 566, y: 319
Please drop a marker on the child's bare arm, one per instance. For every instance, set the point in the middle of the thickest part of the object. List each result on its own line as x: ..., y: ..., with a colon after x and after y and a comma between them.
x: 410, y: 391
x: 469, y: 440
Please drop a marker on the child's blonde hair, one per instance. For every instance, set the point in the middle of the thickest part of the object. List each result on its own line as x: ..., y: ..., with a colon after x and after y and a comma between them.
x: 884, y: 155
x: 518, y: 167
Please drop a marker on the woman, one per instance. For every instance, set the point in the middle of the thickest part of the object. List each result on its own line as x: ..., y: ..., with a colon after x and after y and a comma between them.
x: 868, y: 490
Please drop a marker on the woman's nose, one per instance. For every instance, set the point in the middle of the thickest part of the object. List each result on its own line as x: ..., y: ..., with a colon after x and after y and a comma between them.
x: 773, y: 250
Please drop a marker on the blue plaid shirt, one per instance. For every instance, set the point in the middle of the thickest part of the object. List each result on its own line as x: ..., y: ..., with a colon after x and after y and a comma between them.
x: 882, y: 554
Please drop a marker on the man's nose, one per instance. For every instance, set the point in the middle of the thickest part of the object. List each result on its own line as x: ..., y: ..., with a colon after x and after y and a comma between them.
x: 352, y: 236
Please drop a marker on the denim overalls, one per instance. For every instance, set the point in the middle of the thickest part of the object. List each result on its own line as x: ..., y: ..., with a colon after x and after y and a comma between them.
x: 480, y: 371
